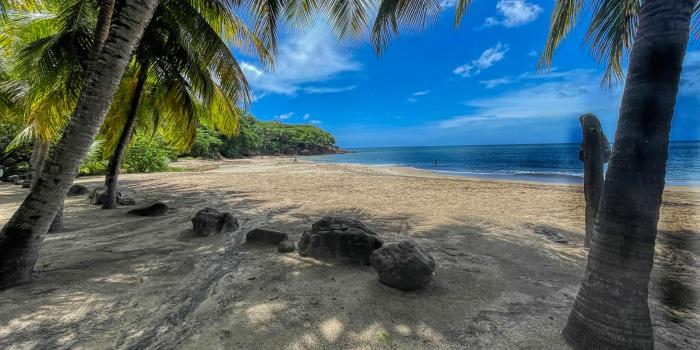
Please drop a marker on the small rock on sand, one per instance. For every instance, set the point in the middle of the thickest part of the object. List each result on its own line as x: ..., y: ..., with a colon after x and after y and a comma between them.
x: 286, y: 247
x: 262, y: 235
x: 403, y: 265
x: 78, y: 190
x: 209, y: 221
x: 341, y: 239
x: 154, y: 209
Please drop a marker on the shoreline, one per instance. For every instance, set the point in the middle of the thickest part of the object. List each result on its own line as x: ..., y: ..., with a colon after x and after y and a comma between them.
x: 413, y: 171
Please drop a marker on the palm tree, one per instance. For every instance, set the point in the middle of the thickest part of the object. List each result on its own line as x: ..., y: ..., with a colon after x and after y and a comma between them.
x: 21, y: 237
x: 611, y: 311
x: 206, y: 77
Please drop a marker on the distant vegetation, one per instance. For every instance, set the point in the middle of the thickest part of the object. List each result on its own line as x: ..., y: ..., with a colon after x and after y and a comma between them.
x: 263, y: 138
x: 151, y: 153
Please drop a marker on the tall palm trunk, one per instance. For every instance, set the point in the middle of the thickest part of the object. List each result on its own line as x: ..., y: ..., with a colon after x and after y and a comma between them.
x: 611, y: 311
x: 104, y: 20
x: 40, y: 153
x: 110, y: 199
x: 22, y: 235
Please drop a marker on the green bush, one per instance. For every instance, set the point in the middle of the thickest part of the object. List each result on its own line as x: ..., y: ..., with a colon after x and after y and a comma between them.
x: 148, y: 154
x: 207, y: 144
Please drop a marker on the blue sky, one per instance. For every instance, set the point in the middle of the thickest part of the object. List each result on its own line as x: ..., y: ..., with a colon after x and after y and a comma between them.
x: 473, y: 85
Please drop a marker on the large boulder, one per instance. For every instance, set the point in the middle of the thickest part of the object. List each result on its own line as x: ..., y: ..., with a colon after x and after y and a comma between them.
x: 210, y: 221
x: 78, y: 190
x: 262, y: 235
x: 403, y: 265
x: 340, y: 239
x: 154, y: 209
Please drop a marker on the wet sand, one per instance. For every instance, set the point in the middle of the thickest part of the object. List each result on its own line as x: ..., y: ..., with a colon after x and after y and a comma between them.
x: 504, y: 277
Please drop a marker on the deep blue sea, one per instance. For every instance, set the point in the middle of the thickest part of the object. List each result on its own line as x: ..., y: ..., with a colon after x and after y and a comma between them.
x: 553, y: 163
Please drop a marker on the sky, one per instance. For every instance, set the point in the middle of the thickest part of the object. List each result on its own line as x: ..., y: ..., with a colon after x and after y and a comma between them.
x: 473, y: 85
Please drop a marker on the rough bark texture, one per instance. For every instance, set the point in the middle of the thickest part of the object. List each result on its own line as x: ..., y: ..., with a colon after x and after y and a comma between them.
x: 610, y: 310
x: 22, y: 235
x: 594, y: 152
x: 39, y: 155
x: 115, y: 161
x: 104, y: 20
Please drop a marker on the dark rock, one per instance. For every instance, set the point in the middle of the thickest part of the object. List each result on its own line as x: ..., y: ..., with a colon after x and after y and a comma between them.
x: 126, y: 201
x: 13, y: 178
x: 154, y: 209
x: 97, y: 196
x: 265, y: 236
x: 403, y: 265
x: 78, y: 190
x: 209, y: 221
x: 26, y: 183
x: 286, y: 247
x: 340, y: 239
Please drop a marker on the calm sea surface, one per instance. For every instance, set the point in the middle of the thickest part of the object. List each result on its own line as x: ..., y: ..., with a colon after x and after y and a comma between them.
x: 554, y: 163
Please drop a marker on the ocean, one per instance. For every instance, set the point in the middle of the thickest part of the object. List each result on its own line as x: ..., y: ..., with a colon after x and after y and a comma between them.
x: 550, y: 163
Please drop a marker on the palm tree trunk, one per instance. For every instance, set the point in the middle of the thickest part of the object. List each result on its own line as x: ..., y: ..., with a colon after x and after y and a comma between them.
x: 610, y: 310
x: 22, y: 235
x: 104, y: 20
x: 110, y: 199
x: 40, y: 153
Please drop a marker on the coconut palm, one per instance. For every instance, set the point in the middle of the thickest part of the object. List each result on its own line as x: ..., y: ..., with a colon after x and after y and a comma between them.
x: 195, y: 78
x: 611, y: 311
x: 21, y: 237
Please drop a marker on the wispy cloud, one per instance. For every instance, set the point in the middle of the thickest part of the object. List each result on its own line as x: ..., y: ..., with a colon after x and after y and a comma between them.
x: 487, y: 59
x: 514, y: 13
x: 533, y: 53
x: 327, y: 90
x: 284, y: 116
x: 690, y: 79
x: 306, y: 116
x: 492, y: 83
x: 303, y: 62
x: 562, y: 94
x: 416, y: 95
x: 448, y: 3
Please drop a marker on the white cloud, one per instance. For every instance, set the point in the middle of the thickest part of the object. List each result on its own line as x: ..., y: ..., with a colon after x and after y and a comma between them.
x: 561, y: 95
x: 532, y: 53
x: 487, y: 59
x: 306, y: 116
x: 316, y: 122
x: 302, y: 63
x: 416, y: 95
x: 448, y: 3
x: 284, y: 116
x: 690, y: 79
x: 327, y: 90
x: 421, y: 93
x: 514, y: 13
x: 490, y: 84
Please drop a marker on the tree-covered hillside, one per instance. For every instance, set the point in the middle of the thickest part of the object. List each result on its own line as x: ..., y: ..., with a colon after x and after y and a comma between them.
x: 263, y: 138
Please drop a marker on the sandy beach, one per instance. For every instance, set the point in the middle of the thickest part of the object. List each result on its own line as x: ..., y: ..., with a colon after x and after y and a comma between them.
x: 509, y: 261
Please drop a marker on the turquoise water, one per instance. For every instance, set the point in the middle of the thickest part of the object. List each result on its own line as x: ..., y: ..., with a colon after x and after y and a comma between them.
x: 553, y: 163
